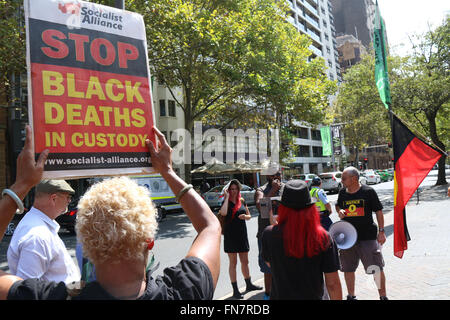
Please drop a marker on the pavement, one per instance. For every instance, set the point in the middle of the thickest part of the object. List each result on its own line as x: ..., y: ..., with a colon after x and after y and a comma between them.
x: 424, y: 271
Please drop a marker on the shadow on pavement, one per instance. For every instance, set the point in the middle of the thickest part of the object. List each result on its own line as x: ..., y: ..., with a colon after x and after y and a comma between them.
x: 174, y: 225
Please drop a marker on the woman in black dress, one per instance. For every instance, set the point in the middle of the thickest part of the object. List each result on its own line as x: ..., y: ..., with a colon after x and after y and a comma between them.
x: 235, y: 235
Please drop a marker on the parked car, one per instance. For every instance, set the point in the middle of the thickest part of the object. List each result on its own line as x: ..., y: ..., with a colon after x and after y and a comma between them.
x: 214, y: 197
x: 14, y: 222
x: 67, y: 220
x: 307, y: 177
x: 362, y: 178
x: 331, y: 181
x: 384, y: 175
x: 372, y: 177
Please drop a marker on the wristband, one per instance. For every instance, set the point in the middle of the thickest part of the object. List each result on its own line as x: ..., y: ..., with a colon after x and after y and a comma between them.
x: 16, y: 199
x: 182, y: 192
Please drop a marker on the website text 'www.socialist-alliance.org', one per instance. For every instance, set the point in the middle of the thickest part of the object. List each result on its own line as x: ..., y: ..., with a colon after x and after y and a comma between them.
x: 97, y: 161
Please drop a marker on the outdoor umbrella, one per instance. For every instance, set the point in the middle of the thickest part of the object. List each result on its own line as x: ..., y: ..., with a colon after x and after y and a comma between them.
x: 215, y: 166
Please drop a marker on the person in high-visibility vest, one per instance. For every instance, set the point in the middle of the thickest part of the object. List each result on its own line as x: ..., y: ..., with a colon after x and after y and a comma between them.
x: 322, y: 203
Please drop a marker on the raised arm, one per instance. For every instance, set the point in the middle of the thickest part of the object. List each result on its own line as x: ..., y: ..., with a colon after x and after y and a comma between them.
x: 224, y: 208
x: 29, y: 173
x: 206, y: 245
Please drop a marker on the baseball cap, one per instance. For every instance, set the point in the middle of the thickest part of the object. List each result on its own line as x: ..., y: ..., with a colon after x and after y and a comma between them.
x: 54, y: 186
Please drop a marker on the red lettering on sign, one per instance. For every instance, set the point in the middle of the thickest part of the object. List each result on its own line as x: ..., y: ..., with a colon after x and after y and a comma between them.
x: 48, y: 36
x: 110, y: 51
x: 79, y: 45
x: 126, y: 52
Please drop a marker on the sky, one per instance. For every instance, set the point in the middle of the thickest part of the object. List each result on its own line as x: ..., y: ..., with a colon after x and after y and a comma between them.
x: 409, y: 17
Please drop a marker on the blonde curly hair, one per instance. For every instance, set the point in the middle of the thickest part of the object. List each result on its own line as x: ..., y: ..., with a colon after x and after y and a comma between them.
x: 115, y: 218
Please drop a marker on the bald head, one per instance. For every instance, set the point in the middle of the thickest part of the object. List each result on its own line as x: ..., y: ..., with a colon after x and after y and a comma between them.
x: 352, y: 171
x: 350, y: 178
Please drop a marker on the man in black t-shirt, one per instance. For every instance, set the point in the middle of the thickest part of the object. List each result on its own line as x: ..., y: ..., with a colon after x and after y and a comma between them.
x: 355, y: 205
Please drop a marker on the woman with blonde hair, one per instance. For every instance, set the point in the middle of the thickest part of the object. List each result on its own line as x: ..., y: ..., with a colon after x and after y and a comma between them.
x: 116, y: 225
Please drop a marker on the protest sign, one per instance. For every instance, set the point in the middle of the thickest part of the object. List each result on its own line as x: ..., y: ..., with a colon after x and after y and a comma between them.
x: 89, y: 88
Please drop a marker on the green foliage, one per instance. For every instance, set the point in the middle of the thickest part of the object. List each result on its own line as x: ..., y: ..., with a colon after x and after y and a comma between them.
x: 420, y: 93
x: 359, y: 106
x: 238, y: 62
x: 12, y: 41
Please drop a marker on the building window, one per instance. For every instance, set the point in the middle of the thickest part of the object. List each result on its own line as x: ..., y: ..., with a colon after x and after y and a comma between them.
x: 303, y: 151
x: 162, y: 108
x: 315, y: 135
x: 317, y: 151
x: 302, y: 133
x: 172, y: 111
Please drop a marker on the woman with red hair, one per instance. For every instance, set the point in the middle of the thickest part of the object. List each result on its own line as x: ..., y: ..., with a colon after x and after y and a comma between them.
x: 299, y: 250
x: 235, y: 235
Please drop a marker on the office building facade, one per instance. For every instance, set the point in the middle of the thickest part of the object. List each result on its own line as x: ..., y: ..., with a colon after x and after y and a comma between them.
x: 315, y: 19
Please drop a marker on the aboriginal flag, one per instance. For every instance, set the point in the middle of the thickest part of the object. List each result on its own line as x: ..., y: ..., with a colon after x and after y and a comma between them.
x: 413, y: 160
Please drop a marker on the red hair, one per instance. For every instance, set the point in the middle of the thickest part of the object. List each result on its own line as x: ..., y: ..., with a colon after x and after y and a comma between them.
x: 302, y: 232
x: 237, y: 205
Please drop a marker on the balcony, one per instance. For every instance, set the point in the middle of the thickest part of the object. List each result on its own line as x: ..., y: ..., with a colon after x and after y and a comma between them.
x: 314, y: 36
x: 316, y: 51
x: 301, y: 27
x: 291, y: 20
x: 310, y: 8
x: 313, y: 22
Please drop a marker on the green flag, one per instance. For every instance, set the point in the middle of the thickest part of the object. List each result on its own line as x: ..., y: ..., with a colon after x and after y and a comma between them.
x: 381, y: 70
x: 325, y: 134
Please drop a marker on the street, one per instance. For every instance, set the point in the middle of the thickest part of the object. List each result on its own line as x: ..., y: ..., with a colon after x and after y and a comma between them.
x: 176, y: 234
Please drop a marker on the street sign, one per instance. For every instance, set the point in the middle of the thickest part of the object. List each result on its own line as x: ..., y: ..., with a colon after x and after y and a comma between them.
x: 89, y: 88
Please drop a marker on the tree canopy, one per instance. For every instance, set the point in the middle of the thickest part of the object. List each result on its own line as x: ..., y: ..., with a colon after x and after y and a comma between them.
x: 420, y: 93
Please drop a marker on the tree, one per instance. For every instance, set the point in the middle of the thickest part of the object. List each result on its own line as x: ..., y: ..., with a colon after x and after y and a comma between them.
x: 425, y: 88
x: 12, y: 43
x: 420, y: 92
x: 237, y: 61
x: 359, y: 107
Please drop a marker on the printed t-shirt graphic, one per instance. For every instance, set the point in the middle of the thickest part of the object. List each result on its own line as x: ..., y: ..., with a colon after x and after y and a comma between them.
x: 354, y: 208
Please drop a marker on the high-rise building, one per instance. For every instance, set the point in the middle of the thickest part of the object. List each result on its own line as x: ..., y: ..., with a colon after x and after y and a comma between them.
x: 315, y: 19
x: 354, y: 17
x: 350, y: 51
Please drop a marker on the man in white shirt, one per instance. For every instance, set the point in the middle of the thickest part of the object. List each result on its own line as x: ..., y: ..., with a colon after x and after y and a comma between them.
x: 36, y: 250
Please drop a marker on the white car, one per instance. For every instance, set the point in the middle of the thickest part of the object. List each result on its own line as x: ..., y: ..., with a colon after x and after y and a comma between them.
x: 214, y: 197
x: 372, y: 177
x: 331, y: 181
x: 362, y: 179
